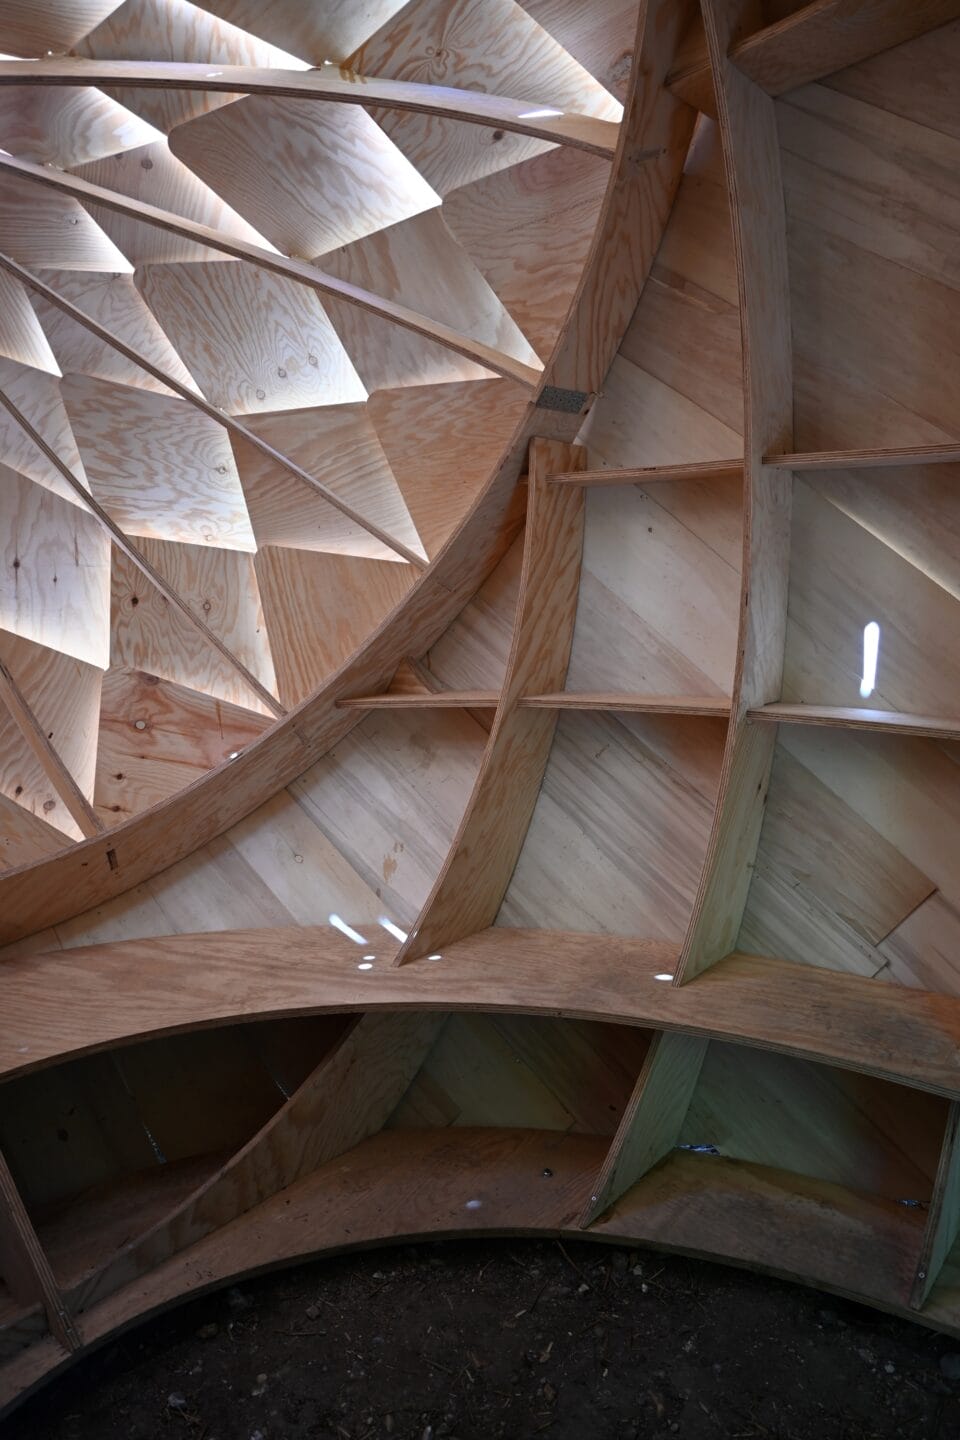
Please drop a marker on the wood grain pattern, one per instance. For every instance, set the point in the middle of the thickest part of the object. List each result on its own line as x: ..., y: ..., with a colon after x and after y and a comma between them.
x: 54, y: 232
x: 471, y: 886
x: 943, y: 1217
x: 58, y: 26
x: 66, y: 126
x: 890, y: 722
x: 38, y: 741
x: 30, y: 1267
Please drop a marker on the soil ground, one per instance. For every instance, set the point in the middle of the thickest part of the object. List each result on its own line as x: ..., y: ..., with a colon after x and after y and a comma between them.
x: 485, y: 1339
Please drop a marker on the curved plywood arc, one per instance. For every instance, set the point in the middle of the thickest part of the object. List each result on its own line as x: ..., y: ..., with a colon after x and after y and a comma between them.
x: 668, y: 852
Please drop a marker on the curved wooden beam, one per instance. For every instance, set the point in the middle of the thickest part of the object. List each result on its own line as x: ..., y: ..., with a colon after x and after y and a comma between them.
x: 138, y: 989
x: 229, y: 423
x: 300, y: 271
x: 329, y: 83
x: 139, y: 559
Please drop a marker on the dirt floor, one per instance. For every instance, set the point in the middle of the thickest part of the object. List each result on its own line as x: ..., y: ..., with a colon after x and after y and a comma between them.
x: 509, y: 1339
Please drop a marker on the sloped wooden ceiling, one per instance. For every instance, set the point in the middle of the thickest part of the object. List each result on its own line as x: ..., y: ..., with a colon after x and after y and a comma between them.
x: 461, y: 460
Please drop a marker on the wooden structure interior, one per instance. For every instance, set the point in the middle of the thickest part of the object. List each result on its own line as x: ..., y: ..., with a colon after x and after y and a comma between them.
x: 479, y: 646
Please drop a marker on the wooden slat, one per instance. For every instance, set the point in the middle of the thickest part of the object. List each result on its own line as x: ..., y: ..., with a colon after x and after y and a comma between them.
x: 329, y: 83
x: 438, y: 700
x: 53, y: 767
x: 715, y: 705
x: 136, y: 556
x: 299, y: 270
x: 840, y: 717
x: 884, y: 455
x: 651, y: 1124
x: 133, y: 989
x: 472, y: 884
x: 817, y: 40
x: 233, y: 426
x: 655, y: 474
x: 752, y: 162
x: 943, y: 1217
x: 23, y: 1256
x: 347, y: 1098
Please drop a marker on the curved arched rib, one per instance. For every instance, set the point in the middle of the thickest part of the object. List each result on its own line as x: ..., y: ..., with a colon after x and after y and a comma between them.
x: 332, y: 84
x: 231, y: 425
x: 300, y: 271
x: 142, y: 563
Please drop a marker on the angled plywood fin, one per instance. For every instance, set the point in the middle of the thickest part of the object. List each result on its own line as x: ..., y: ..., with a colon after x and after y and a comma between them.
x: 54, y: 572
x: 339, y: 446
x: 21, y: 335
x: 254, y: 341
x: 67, y: 126
x: 419, y: 264
x: 114, y: 302
x: 153, y: 176
x: 175, y: 32
x: 320, y: 608
x: 39, y: 398
x: 158, y: 466
x: 507, y: 224
x: 30, y: 29
x: 329, y: 31
x: 24, y: 837
x: 157, y: 736
x: 30, y: 801
x: 64, y: 695
x: 309, y: 177
x: 53, y: 232
x: 600, y: 36
x: 149, y: 634
x: 441, y: 441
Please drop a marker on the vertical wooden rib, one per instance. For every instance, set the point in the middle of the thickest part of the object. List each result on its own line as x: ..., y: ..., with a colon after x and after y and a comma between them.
x: 653, y: 1119
x: 25, y: 1265
x: 752, y: 161
x: 472, y: 884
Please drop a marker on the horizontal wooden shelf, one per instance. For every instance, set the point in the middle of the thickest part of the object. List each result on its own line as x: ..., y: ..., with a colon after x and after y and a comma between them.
x: 839, y: 717
x: 331, y: 83
x: 134, y: 989
x: 561, y: 700
x: 890, y: 455
x: 426, y: 700
x: 407, y: 1184
x: 653, y: 474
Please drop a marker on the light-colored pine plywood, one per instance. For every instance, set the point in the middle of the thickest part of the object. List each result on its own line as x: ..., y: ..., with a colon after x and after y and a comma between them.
x: 472, y: 653
x: 38, y: 398
x: 599, y: 36
x: 320, y: 608
x: 441, y: 442
x: 21, y: 337
x: 640, y: 421
x: 331, y: 31
x: 339, y: 446
x: 912, y: 80
x: 182, y: 735
x: 64, y: 695
x: 28, y: 29
x: 53, y: 232
x: 25, y: 837
x: 157, y: 466
x: 67, y: 126
x: 303, y: 174
x: 253, y: 342
x: 56, y: 572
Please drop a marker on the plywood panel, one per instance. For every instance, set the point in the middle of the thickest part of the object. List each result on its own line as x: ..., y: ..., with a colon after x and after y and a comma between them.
x: 183, y: 734
x: 175, y: 32
x: 599, y: 36
x: 472, y: 653
x: 24, y: 837
x: 64, y: 696
x: 67, y: 126
x: 158, y: 466
x: 152, y: 175
x: 21, y: 337
x: 331, y: 30
x: 310, y: 177
x: 320, y: 608
x: 255, y: 342
x: 27, y: 30
x: 112, y: 301
x: 38, y: 398
x: 913, y: 80
x: 442, y: 442
x: 507, y: 223
x: 418, y: 263
x: 148, y: 634
x: 338, y: 446
x: 49, y: 231
x: 55, y: 575
x: 620, y: 827
x: 640, y: 421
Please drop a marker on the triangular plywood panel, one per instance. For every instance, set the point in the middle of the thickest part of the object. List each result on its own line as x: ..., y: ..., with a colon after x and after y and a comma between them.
x: 149, y: 634
x: 48, y: 231
x: 113, y: 302
x: 21, y: 336
x: 67, y: 126
x: 320, y: 608
x: 309, y: 177
x: 157, y: 465
x: 55, y: 572
x: 441, y: 441
x: 39, y: 399
x: 254, y: 341
x: 25, y: 838
x: 340, y: 448
x: 175, y: 32
x: 25, y: 791
x: 156, y: 737
x: 421, y: 265
x: 30, y: 29
x: 600, y: 35
x: 64, y: 695
x: 324, y: 30
x: 155, y: 177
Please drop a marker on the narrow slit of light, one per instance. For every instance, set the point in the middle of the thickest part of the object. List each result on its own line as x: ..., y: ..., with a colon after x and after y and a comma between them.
x: 538, y: 114
x: 392, y: 929
x: 347, y: 930
x: 663, y: 976
x: 871, y: 652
